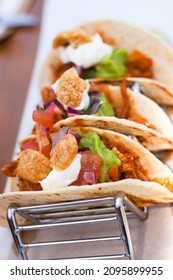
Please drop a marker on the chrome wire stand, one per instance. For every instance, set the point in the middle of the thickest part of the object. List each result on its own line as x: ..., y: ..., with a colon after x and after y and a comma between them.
x: 72, y: 214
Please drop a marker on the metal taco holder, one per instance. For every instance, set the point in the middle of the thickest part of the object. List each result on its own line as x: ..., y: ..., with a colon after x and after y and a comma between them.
x: 75, y: 224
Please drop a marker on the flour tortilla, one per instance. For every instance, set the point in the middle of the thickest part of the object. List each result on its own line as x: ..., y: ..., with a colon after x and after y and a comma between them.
x: 140, y: 192
x: 157, y: 139
x: 149, y: 138
x: 131, y: 38
x: 155, y: 90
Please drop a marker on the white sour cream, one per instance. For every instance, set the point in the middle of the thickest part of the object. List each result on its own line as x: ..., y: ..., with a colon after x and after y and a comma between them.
x: 60, y: 179
x: 87, y: 54
x: 85, y: 101
x: 55, y: 85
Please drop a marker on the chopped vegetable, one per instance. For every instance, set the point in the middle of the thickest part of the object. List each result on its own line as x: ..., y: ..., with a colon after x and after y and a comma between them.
x: 30, y: 144
x: 43, y: 129
x: 95, y: 102
x: 92, y: 141
x: 45, y: 117
x: 59, y: 135
x: 90, y: 169
x: 73, y: 112
x: 106, y: 108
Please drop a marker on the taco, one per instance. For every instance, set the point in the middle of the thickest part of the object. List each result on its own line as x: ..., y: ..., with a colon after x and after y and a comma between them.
x: 118, y: 108
x: 111, y: 49
x: 87, y: 162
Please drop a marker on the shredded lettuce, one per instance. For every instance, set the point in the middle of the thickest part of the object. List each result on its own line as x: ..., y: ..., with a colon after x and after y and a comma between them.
x: 92, y: 141
x: 106, y: 108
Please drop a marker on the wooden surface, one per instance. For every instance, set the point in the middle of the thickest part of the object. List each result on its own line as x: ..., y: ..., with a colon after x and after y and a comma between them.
x: 17, y: 55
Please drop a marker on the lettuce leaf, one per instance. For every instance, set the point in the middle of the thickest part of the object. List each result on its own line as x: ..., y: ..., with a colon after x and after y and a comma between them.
x: 106, y: 108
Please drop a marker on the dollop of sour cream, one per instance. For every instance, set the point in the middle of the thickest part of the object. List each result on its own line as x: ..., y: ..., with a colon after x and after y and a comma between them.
x: 60, y: 179
x: 85, y: 101
x: 87, y: 54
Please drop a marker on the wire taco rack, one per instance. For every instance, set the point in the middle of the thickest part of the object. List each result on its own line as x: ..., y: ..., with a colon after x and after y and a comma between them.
x: 76, y: 229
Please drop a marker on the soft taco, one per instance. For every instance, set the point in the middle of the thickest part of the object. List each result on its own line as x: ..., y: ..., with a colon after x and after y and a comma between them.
x: 111, y: 49
x: 118, y: 108
x: 87, y: 162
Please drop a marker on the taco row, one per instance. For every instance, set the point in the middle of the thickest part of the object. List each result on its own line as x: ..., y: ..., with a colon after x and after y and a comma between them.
x: 100, y: 120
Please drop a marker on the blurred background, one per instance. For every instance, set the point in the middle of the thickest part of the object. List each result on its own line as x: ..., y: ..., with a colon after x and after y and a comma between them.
x: 18, y: 48
x: 23, y: 49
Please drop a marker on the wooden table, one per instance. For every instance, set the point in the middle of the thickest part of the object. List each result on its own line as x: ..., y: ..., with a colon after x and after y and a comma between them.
x: 17, y: 55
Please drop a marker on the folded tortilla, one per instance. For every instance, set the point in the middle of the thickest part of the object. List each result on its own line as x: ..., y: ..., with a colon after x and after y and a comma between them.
x: 131, y: 38
x: 156, y: 190
x: 160, y: 138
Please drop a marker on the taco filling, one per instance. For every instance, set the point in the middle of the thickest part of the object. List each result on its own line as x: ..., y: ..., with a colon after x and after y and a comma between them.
x: 74, y: 96
x: 98, y: 57
x: 79, y: 156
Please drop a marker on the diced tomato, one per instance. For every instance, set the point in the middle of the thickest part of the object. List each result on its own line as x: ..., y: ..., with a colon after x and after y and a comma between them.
x: 45, y: 117
x: 30, y: 144
x: 42, y: 129
x: 90, y: 163
x: 46, y: 149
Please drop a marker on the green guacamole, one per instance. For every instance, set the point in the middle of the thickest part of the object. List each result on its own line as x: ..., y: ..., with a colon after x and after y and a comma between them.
x: 92, y: 141
x: 113, y: 65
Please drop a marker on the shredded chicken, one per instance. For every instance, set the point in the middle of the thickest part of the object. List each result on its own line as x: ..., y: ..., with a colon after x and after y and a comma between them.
x: 124, y: 113
x: 58, y: 70
x: 128, y: 168
x: 74, y: 38
x: 48, y: 94
x: 106, y: 38
x: 10, y: 168
x: 25, y: 185
x: 114, y: 174
x: 139, y: 65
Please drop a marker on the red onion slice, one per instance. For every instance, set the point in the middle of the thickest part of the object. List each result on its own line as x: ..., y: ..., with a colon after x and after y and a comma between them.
x: 72, y: 112
x: 89, y: 177
x: 95, y: 102
x: 56, y: 102
x: 58, y: 136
